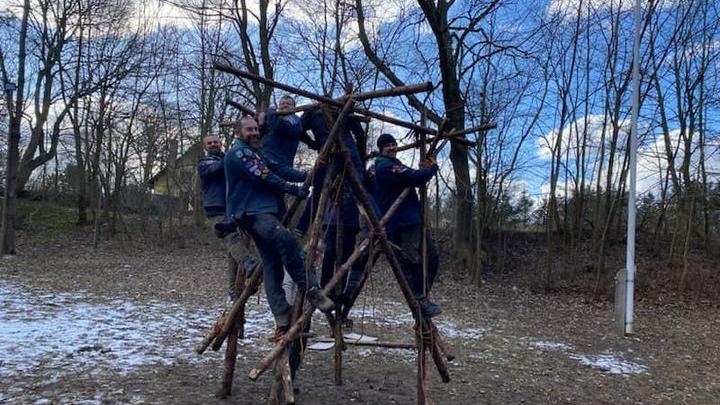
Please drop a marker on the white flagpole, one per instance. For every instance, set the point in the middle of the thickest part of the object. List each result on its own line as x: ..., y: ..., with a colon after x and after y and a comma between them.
x: 630, y: 259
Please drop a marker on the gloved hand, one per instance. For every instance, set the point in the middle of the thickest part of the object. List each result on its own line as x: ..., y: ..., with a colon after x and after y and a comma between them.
x: 428, y: 162
x: 301, y: 192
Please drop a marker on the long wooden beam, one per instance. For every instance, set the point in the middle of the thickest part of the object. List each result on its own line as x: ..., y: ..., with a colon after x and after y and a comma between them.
x: 246, y: 110
x: 453, y: 136
x: 389, y: 345
x: 395, y: 91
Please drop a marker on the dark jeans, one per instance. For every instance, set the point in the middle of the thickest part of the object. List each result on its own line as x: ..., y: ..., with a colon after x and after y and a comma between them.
x: 278, y: 248
x: 408, y: 238
x: 351, y: 281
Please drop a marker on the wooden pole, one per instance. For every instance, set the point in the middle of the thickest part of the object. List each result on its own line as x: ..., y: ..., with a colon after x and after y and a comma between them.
x: 229, y: 364
x: 241, y: 107
x: 231, y: 348
x: 378, y: 228
x: 477, y: 128
x: 395, y: 91
x: 388, y: 345
x: 338, y: 326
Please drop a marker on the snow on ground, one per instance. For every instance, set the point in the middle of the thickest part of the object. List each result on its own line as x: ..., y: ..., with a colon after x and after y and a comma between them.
x: 80, y: 332
x: 606, y: 362
x: 609, y: 363
x: 541, y: 344
x: 398, y: 315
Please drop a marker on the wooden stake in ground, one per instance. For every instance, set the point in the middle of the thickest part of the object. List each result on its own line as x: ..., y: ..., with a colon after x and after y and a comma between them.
x: 231, y: 349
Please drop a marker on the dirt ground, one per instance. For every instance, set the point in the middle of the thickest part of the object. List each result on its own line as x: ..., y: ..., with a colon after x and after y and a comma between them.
x: 118, y: 325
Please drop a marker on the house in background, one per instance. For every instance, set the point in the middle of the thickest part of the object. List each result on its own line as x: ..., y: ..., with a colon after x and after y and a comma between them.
x: 174, y: 186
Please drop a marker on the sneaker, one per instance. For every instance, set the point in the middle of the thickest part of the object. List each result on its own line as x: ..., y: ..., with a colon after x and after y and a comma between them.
x: 317, y: 297
x: 428, y: 308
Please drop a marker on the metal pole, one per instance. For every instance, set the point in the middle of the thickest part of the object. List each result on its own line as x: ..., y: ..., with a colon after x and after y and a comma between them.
x: 630, y: 259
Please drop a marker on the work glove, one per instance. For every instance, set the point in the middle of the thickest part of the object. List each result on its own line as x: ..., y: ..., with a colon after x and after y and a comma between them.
x: 302, y: 192
x: 428, y: 162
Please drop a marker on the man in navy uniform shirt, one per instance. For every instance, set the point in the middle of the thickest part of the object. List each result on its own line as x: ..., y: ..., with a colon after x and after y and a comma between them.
x: 211, y: 171
x: 354, y: 139
x: 253, y: 204
x: 403, y: 228
x: 212, y: 177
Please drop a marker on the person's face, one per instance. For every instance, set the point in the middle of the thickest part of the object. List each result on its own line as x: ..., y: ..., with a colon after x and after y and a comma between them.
x: 389, y: 150
x: 249, y: 132
x: 212, y: 144
x: 286, y: 103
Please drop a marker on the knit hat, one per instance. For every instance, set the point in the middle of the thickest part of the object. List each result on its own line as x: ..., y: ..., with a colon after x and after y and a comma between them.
x: 384, y: 140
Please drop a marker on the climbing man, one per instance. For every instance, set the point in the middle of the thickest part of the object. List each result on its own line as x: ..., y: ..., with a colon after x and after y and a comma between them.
x: 253, y: 205
x: 403, y: 228
x: 346, y: 212
x: 282, y: 133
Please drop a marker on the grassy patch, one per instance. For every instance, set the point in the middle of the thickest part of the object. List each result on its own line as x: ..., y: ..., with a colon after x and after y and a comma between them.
x: 45, y: 217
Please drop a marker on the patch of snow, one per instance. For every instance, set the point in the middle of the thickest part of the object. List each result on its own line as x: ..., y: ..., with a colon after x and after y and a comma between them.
x: 72, y: 332
x: 479, y: 356
x: 396, y: 316
x: 321, y: 346
x: 609, y: 363
x: 543, y: 344
x: 452, y: 330
x: 606, y: 362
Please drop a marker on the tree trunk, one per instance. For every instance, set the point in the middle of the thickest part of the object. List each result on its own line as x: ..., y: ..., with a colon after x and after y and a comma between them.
x: 15, y: 112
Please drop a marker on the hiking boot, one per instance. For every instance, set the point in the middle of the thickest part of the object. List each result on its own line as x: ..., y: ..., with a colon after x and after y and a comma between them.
x: 429, y: 309
x: 223, y: 229
x: 317, y: 297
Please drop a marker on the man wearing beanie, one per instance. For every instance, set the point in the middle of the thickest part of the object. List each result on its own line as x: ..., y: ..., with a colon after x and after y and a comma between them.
x: 403, y: 228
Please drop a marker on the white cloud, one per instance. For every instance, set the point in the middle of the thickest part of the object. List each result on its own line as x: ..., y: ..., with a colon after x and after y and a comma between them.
x: 651, y: 161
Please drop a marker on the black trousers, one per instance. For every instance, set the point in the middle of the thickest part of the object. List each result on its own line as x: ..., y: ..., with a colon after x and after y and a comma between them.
x: 408, y: 239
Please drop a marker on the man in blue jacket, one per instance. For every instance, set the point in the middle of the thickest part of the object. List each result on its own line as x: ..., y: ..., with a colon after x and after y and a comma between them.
x: 403, y: 228
x: 282, y: 133
x: 354, y: 140
x: 212, y: 177
x: 211, y: 171
x: 252, y: 203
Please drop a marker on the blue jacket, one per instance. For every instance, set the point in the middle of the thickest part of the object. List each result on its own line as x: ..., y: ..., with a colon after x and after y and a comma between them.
x: 280, y: 140
x: 252, y: 188
x: 391, y: 178
x: 353, y: 137
x: 212, y: 182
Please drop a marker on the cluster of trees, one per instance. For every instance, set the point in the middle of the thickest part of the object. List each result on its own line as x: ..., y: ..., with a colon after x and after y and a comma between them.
x: 117, y: 91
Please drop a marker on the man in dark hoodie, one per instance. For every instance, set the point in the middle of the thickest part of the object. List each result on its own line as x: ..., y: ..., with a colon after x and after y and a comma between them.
x: 403, y: 228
